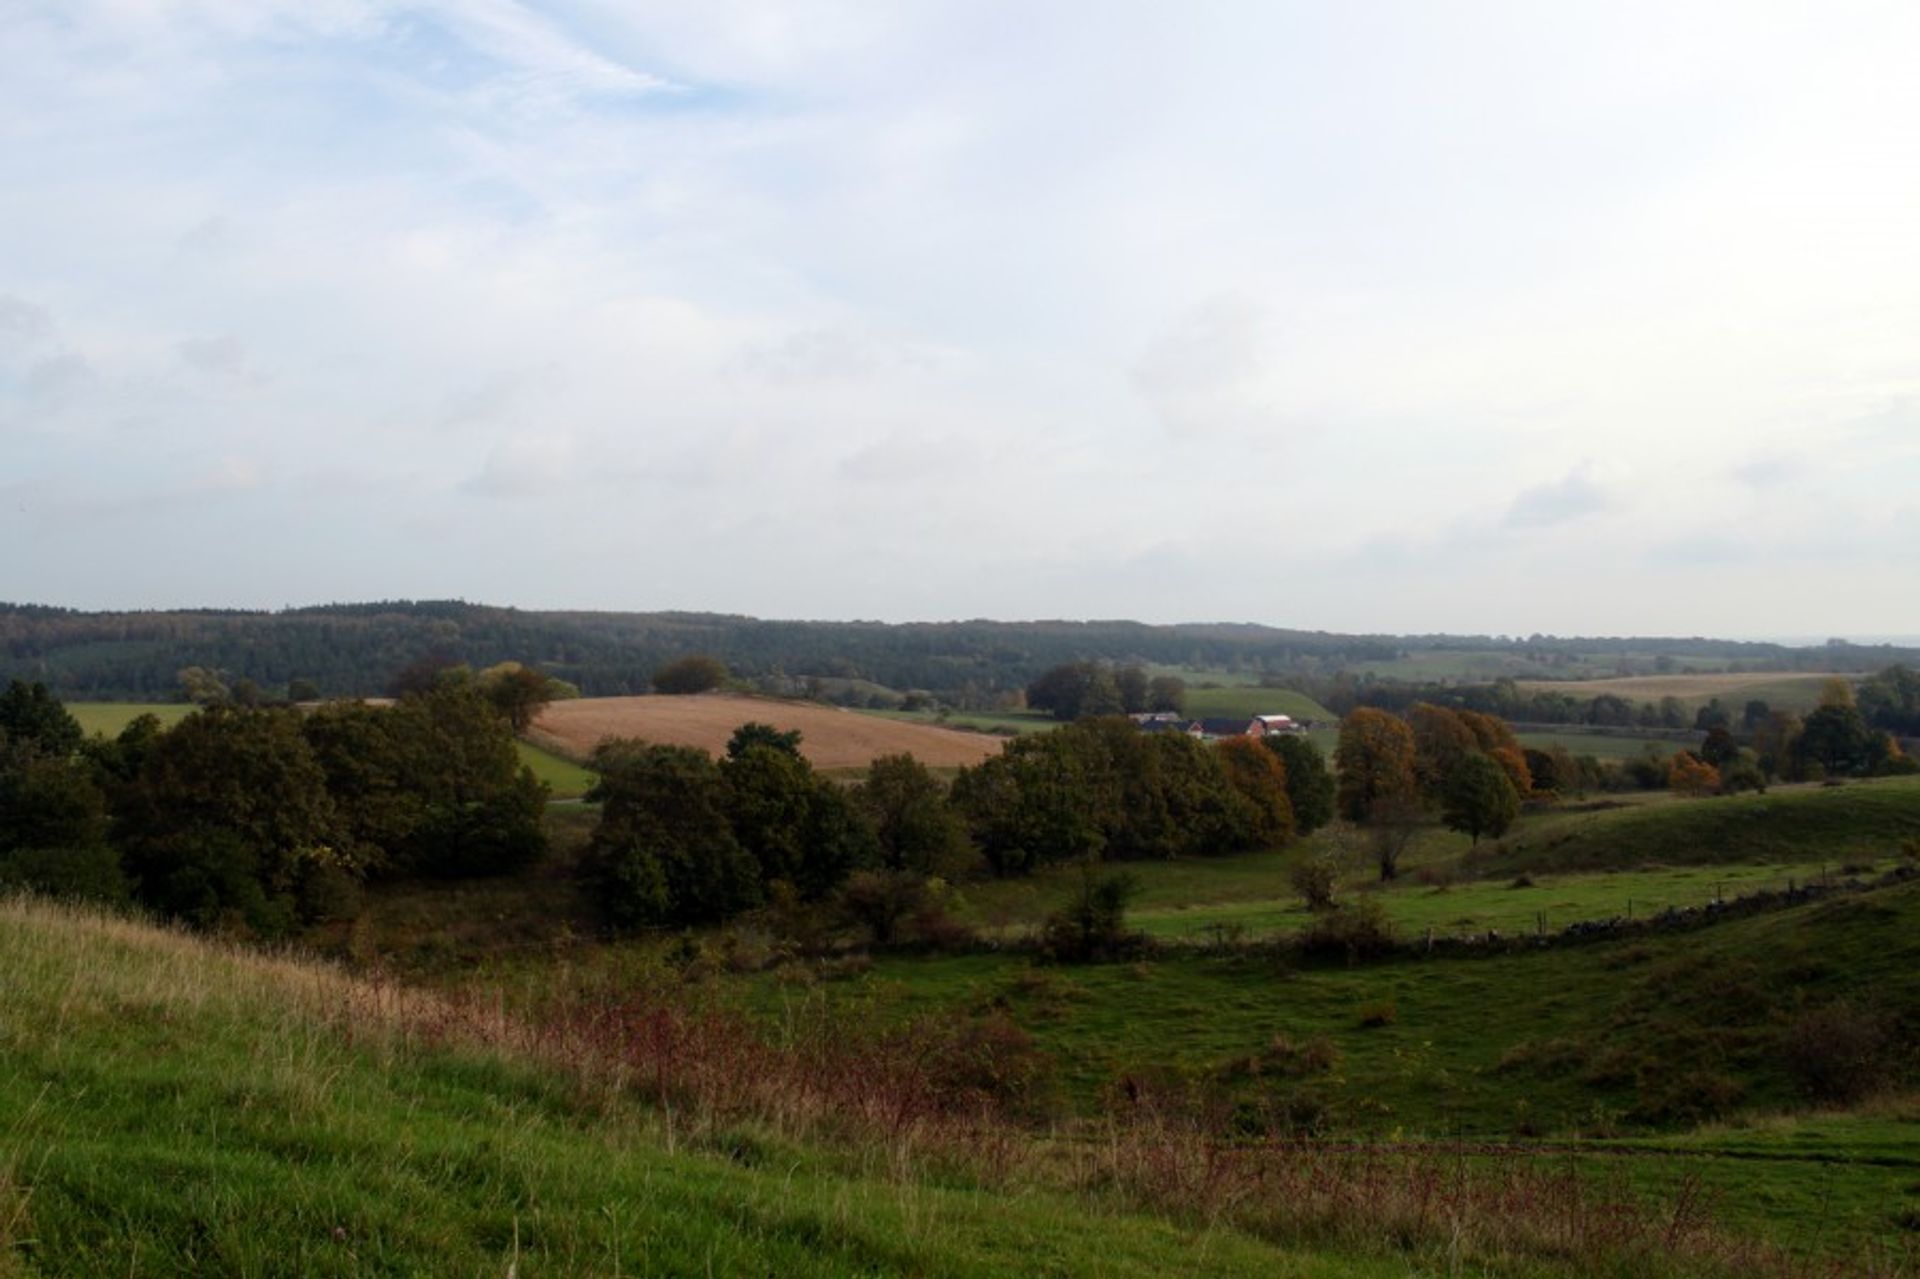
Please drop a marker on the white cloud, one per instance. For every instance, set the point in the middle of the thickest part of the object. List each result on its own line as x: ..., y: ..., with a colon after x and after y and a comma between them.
x: 1571, y: 497
x: 1115, y: 317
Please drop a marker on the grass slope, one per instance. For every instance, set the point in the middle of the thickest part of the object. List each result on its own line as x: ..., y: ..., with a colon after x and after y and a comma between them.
x: 169, y: 1107
x: 564, y: 778
x: 1782, y: 690
x: 1859, y: 820
x: 1653, y: 1032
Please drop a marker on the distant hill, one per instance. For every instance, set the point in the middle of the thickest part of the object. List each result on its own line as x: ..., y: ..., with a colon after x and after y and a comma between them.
x: 356, y: 649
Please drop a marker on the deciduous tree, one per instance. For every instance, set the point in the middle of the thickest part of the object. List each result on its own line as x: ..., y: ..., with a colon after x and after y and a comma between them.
x: 1375, y: 761
x: 1479, y: 798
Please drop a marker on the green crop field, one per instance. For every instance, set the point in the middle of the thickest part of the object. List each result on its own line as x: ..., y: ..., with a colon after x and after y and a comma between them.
x: 108, y: 718
x: 1782, y: 690
x: 1251, y: 700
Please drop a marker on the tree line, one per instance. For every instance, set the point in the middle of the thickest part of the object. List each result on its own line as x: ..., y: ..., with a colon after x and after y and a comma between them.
x: 684, y: 838
x: 261, y: 819
x: 345, y: 650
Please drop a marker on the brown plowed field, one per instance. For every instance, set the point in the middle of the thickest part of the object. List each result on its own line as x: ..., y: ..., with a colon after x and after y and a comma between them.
x: 830, y: 737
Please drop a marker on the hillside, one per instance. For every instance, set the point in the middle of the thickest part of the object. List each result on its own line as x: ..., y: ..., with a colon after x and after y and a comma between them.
x: 1862, y: 819
x: 830, y: 738
x: 354, y: 650
x: 168, y: 1106
x: 173, y: 1106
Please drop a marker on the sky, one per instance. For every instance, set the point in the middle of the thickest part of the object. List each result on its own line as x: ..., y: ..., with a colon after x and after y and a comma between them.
x: 1477, y: 317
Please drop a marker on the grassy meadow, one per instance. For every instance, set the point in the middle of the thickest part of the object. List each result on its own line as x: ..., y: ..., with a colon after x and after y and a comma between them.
x: 108, y: 718
x: 1782, y: 690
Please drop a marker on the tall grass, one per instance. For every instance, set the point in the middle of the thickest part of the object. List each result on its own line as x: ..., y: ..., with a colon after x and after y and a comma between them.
x: 948, y: 1100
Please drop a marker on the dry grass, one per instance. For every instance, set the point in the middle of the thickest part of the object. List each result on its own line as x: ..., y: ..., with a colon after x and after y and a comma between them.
x: 831, y: 738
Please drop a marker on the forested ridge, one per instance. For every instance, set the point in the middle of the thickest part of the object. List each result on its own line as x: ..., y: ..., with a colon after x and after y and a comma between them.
x: 356, y: 649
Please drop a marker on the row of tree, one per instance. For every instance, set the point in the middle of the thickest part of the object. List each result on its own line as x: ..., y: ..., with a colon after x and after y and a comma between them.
x: 263, y: 817
x: 1074, y: 690
x: 684, y: 838
x: 1393, y: 771
x: 1888, y: 700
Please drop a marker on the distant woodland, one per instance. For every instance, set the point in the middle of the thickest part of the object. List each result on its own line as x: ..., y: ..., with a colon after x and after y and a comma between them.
x: 358, y: 649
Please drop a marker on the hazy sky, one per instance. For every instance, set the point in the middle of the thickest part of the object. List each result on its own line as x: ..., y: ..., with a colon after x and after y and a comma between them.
x: 1596, y: 318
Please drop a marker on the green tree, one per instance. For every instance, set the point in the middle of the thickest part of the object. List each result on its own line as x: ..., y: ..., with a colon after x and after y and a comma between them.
x: 798, y: 826
x: 698, y: 673
x: 1310, y: 785
x: 53, y: 824
x: 29, y: 713
x: 201, y: 685
x: 1044, y: 798
x: 753, y: 734
x: 917, y: 828
x: 1441, y: 741
x: 1836, y: 737
x: 663, y: 851
x: 1479, y: 798
x: 228, y: 818
x: 519, y: 693
x: 1375, y: 758
x: 1167, y: 693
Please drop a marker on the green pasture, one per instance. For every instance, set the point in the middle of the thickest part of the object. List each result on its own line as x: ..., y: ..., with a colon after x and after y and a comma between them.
x: 1860, y: 820
x: 108, y: 718
x: 564, y: 778
x: 1478, y: 906
x: 1251, y: 700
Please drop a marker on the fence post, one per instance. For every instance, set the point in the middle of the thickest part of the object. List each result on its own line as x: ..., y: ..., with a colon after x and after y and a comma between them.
x: 1629, y: 908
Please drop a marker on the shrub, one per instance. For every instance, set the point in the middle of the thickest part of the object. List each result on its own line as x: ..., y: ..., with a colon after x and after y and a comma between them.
x: 1838, y: 1052
x: 1093, y: 925
x: 1378, y: 1012
x: 1315, y: 879
x: 879, y: 901
x: 1354, y: 932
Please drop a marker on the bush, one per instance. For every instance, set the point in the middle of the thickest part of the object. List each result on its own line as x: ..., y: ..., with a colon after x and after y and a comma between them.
x: 1315, y: 879
x: 1093, y: 925
x: 1378, y: 1012
x: 1354, y: 932
x: 1838, y: 1052
x: 879, y: 901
